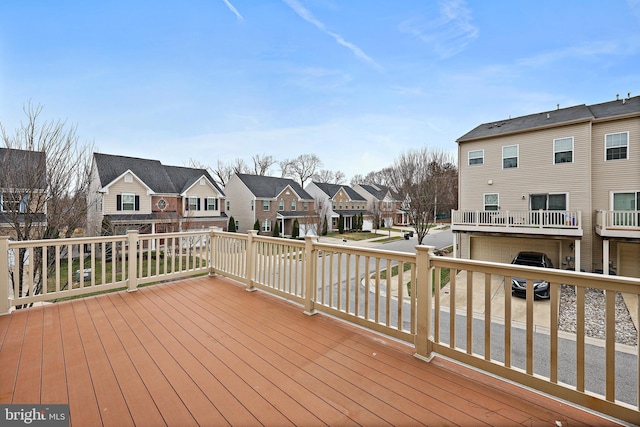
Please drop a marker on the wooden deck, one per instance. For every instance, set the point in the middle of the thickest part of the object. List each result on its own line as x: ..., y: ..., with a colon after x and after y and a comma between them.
x: 204, y: 351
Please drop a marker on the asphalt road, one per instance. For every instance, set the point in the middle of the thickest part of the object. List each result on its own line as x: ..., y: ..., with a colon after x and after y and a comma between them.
x: 438, y: 238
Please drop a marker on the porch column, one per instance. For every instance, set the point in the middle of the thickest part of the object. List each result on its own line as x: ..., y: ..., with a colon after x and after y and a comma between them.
x: 153, y: 231
x: 576, y: 262
x: 455, y: 245
x: 605, y: 256
x: 251, y: 261
x: 4, y: 275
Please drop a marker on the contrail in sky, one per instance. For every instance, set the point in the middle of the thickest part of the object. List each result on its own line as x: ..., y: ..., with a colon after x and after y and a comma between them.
x: 233, y: 9
x: 308, y: 16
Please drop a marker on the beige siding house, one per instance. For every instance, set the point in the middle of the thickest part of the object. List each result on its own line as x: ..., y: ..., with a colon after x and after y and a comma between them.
x: 342, y: 200
x: 151, y: 197
x: 270, y: 200
x: 385, y: 201
x: 565, y: 182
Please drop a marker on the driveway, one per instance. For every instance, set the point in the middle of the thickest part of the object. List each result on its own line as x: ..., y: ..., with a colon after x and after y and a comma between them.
x: 542, y: 308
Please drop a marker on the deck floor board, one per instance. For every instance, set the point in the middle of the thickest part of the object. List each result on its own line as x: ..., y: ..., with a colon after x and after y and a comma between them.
x: 203, y: 351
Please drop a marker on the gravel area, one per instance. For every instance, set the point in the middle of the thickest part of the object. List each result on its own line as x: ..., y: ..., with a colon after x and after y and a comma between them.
x: 626, y: 332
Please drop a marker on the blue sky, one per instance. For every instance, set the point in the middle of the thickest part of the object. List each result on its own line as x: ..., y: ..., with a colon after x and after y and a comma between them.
x: 355, y: 82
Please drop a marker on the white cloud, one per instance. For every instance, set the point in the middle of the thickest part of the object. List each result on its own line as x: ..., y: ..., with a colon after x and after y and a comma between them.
x: 450, y: 33
x: 308, y: 16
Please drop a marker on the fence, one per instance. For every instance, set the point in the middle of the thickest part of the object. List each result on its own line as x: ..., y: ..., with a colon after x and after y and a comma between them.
x: 394, y: 293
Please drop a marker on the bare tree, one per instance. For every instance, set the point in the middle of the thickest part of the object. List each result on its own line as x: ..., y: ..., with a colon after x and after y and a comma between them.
x: 45, y: 170
x: 261, y: 164
x: 223, y: 171
x: 329, y: 177
x: 301, y: 168
x: 424, y: 176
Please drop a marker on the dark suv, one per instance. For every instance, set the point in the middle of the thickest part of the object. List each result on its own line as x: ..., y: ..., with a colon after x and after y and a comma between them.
x: 540, y: 287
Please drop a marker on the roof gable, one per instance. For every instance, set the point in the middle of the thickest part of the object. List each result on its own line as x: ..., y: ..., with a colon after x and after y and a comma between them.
x: 332, y: 189
x: 160, y: 179
x: 269, y: 187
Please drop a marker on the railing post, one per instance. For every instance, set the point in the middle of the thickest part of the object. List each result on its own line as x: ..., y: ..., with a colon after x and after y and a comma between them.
x: 251, y: 260
x: 424, y: 303
x: 4, y: 275
x: 132, y: 280
x: 310, y: 274
x: 212, y: 236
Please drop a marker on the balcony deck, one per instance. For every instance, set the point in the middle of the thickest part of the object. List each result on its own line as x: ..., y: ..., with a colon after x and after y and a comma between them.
x: 203, y: 351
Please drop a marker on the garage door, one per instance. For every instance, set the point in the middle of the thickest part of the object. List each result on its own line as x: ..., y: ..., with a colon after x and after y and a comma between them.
x: 503, y: 249
x: 629, y: 256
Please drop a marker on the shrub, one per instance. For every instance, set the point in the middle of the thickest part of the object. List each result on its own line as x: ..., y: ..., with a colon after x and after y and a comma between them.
x: 256, y: 225
x: 276, y: 229
x: 232, y: 225
x: 341, y: 224
x: 296, y: 229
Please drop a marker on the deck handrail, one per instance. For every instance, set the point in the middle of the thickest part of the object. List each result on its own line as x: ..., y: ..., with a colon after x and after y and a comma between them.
x: 394, y: 293
x: 564, y: 219
x: 617, y: 219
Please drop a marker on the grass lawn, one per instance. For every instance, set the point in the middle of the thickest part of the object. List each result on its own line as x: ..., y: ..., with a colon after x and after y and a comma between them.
x: 357, y: 235
x: 444, y: 275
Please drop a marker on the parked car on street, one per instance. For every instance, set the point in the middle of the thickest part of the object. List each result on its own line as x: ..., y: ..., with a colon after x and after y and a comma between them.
x: 540, y: 287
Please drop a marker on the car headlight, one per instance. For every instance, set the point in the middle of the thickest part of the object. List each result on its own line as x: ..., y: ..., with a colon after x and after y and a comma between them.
x: 541, y: 285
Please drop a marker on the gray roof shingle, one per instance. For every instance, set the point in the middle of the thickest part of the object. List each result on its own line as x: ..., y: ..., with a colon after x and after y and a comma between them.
x: 269, y: 187
x: 559, y: 116
x: 25, y: 169
x: 332, y: 189
x: 158, y: 177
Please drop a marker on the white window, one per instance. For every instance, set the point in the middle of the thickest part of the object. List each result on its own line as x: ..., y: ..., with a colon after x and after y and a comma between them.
x: 281, y: 205
x: 563, y: 150
x: 252, y: 204
x: 229, y: 205
x: 510, y: 157
x: 293, y: 205
x: 237, y: 225
x: 626, y: 207
x: 192, y: 203
x: 305, y: 206
x: 212, y: 204
x: 476, y: 157
x: 265, y: 205
x: 128, y: 202
x: 616, y: 146
x: 491, y: 202
x: 266, y: 225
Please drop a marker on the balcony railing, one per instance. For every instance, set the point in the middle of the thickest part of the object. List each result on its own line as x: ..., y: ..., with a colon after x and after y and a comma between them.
x: 536, y: 221
x: 618, y: 223
x: 394, y: 293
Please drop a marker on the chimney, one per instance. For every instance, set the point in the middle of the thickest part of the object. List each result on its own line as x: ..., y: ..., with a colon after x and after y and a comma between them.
x: 617, y: 97
x: 557, y: 106
x: 548, y: 116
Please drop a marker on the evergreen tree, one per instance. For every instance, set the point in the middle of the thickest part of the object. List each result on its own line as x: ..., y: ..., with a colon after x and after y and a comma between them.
x: 360, y: 221
x: 232, y: 225
x: 256, y: 225
x: 296, y: 229
x: 276, y: 230
x: 325, y: 226
x: 341, y: 224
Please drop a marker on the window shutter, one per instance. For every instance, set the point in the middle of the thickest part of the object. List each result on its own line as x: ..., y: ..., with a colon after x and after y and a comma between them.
x: 119, y: 202
x: 198, y: 203
x: 186, y: 204
x: 206, y: 204
x: 216, y: 204
x: 137, y: 207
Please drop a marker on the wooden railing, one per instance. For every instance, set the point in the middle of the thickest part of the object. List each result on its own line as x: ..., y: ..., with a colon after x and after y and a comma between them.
x: 397, y: 294
x: 533, y: 219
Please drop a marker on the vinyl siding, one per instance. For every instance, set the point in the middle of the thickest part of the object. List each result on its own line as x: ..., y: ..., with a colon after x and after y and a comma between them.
x: 240, y: 198
x: 536, y: 173
x: 119, y: 187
